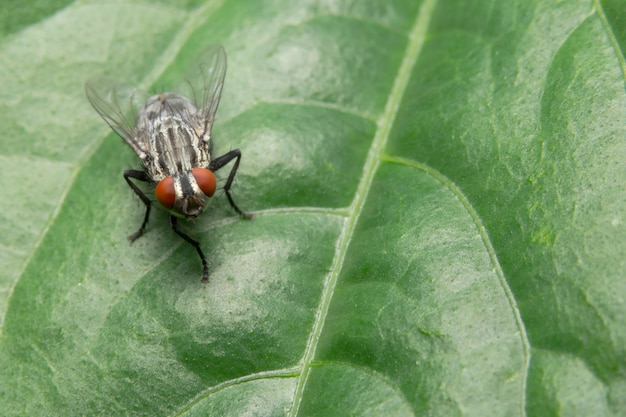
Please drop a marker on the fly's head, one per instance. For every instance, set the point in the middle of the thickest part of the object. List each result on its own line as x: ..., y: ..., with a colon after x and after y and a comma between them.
x: 187, y: 193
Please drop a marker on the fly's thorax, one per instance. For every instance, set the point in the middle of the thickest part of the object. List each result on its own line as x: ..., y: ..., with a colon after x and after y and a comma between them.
x: 186, y: 194
x: 177, y: 153
x: 174, y: 136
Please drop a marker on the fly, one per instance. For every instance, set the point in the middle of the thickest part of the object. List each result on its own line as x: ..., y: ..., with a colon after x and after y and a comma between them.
x: 171, y: 134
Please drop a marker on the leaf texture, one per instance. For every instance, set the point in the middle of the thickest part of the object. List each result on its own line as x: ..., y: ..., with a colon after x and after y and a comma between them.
x: 439, y: 198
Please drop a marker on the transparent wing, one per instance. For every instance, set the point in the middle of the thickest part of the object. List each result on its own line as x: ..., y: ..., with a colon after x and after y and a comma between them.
x: 205, y: 81
x: 118, y: 104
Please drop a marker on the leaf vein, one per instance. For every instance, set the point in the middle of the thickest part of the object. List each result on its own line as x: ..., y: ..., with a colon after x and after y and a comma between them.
x: 612, y: 38
x: 417, y: 37
x: 490, y: 251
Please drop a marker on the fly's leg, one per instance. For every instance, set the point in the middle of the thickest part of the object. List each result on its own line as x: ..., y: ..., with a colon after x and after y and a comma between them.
x: 140, y: 176
x: 193, y: 242
x: 218, y: 163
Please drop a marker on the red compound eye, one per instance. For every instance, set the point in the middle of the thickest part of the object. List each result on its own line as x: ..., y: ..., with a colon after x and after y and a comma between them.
x: 205, y: 180
x: 165, y: 192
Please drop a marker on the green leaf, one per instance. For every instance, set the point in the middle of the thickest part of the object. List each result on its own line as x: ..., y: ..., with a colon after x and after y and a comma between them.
x: 439, y: 198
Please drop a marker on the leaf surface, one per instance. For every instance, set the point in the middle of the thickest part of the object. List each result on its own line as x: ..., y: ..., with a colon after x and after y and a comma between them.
x: 439, y: 199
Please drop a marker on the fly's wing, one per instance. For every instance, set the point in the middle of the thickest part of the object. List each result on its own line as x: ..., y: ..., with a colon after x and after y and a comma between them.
x: 205, y: 82
x: 118, y: 104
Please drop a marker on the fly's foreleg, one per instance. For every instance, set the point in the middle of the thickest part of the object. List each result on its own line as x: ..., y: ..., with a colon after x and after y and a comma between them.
x: 140, y: 176
x: 218, y: 163
x: 193, y: 242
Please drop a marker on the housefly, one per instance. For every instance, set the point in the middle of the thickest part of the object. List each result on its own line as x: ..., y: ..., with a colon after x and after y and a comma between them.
x: 171, y: 134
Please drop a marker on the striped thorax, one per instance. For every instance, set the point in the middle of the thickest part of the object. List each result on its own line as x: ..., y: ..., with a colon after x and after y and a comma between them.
x: 178, y: 152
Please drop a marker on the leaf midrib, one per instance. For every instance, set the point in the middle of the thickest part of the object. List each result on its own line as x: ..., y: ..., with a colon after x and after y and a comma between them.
x: 416, y: 38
